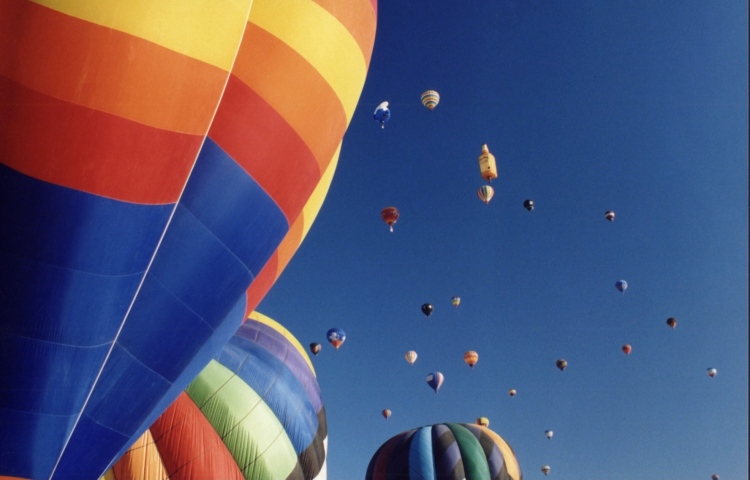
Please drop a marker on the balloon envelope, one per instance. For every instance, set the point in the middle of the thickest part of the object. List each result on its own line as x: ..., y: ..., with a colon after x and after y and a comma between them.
x: 561, y: 364
x: 471, y: 358
x: 386, y: 414
x: 549, y: 433
x: 336, y: 337
x: 528, y: 205
x: 315, y: 348
x: 456, y: 301
x: 390, y: 216
x: 446, y: 450
x: 435, y: 380
x: 255, y: 411
x: 621, y: 285
x: 672, y: 322
x: 411, y: 357
x: 546, y: 469
x: 512, y: 392
x: 382, y: 114
x: 483, y: 421
x: 427, y: 309
x: 627, y: 349
x: 430, y: 99
x: 485, y: 193
x: 177, y: 180
x: 609, y: 215
x: 712, y: 372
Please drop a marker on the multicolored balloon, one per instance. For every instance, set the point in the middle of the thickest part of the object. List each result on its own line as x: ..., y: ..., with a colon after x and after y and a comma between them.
x: 512, y: 392
x: 427, y: 309
x: 627, y: 349
x: 609, y: 215
x: 562, y: 364
x: 315, y: 348
x: 411, y: 357
x: 255, y: 411
x: 456, y: 301
x: 621, y: 285
x: 546, y: 469
x: 154, y: 183
x: 435, y: 380
x: 471, y: 358
x: 430, y: 99
x: 390, y: 216
x: 382, y: 114
x: 386, y: 413
x: 485, y: 193
x: 712, y: 372
x: 336, y: 337
x: 445, y: 450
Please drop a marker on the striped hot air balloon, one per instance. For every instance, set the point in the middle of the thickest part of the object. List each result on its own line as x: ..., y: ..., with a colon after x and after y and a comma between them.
x: 446, y: 450
x: 160, y: 166
x: 254, y: 412
x: 471, y: 358
x: 485, y: 193
x: 430, y: 99
x: 411, y: 357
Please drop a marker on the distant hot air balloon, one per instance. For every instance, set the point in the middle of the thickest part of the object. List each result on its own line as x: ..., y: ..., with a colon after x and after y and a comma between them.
x: 427, y: 309
x: 430, y: 99
x: 546, y: 469
x: 549, y: 433
x: 627, y: 349
x: 712, y: 372
x: 442, y: 451
x: 336, y: 337
x: 386, y: 413
x: 483, y: 421
x: 382, y: 114
x: 471, y: 358
x: 390, y: 216
x: 621, y: 285
x: 561, y: 364
x: 672, y: 322
x: 512, y: 392
x: 456, y: 301
x: 487, y: 166
x: 609, y: 215
x: 435, y: 380
x: 411, y: 357
x: 528, y: 205
x: 714, y: 477
x: 485, y: 193
x: 315, y: 348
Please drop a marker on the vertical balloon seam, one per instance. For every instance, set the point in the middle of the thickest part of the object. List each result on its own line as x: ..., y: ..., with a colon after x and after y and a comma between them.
x: 135, y: 296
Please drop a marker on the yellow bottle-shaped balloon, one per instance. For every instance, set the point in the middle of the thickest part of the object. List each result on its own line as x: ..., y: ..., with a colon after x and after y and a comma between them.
x: 487, y: 166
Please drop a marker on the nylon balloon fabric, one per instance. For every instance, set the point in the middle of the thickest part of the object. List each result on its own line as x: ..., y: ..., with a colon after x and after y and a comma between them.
x: 160, y: 167
x: 446, y: 451
x: 254, y: 412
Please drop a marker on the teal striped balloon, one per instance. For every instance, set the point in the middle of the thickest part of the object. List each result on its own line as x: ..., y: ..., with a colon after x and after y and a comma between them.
x: 430, y: 99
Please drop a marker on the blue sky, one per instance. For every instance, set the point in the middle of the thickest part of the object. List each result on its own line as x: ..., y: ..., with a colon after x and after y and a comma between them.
x: 640, y: 107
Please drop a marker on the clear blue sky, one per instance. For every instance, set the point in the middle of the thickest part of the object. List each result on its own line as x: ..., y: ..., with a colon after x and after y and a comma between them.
x: 636, y: 106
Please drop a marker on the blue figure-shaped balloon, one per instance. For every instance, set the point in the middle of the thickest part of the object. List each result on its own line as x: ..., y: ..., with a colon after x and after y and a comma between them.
x: 382, y: 114
x: 336, y: 337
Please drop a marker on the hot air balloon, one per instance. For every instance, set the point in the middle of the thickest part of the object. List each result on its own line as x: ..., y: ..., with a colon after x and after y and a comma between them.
x: 609, y: 215
x: 512, y: 392
x: 386, y: 413
x: 549, y: 433
x: 445, y: 450
x: 485, y: 193
x: 427, y: 309
x: 411, y: 357
x: 336, y: 337
x: 390, y: 216
x: 528, y: 205
x: 456, y: 301
x: 430, y: 99
x: 258, y: 394
x: 546, y: 469
x: 561, y: 364
x: 471, y: 358
x: 483, y: 421
x: 672, y: 322
x: 382, y: 114
x: 621, y: 285
x: 487, y: 166
x: 140, y: 229
x: 315, y: 348
x: 714, y: 477
x: 435, y: 380
x: 627, y: 349
x: 712, y: 372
